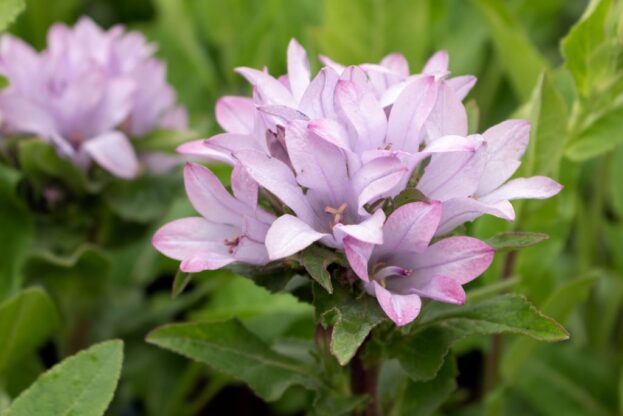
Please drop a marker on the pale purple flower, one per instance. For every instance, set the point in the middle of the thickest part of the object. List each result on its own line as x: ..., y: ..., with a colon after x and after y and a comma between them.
x: 86, y: 93
x: 405, y: 268
x: 231, y: 228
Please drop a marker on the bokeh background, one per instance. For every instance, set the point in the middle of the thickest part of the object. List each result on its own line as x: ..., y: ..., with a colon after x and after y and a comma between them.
x: 575, y: 277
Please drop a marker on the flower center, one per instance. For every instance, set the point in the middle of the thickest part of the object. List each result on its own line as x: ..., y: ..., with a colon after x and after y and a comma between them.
x: 232, y: 244
x: 337, y: 213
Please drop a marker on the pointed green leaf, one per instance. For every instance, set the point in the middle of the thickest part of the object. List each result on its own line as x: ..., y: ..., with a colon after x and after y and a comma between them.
x: 180, y: 282
x: 515, y: 240
x: 422, y: 353
x: 230, y: 348
x: 316, y: 259
x: 9, y: 10
x: 579, y: 46
x: 352, y: 318
x: 83, y: 384
x: 601, y: 136
x: 26, y: 321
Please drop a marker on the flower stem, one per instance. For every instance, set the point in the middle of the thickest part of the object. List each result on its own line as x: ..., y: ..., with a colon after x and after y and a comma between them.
x: 364, y: 376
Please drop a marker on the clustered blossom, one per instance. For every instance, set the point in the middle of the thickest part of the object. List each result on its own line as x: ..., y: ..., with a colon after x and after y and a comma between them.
x: 87, y: 93
x: 330, y: 154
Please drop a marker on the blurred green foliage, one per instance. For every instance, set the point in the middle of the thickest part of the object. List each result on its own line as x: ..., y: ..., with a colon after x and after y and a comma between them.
x: 572, y: 91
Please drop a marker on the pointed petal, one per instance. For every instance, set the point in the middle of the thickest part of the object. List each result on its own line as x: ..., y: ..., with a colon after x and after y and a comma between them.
x: 113, y: 152
x: 331, y: 131
x: 251, y: 252
x: 339, y: 68
x: 459, y: 258
x: 365, y: 118
x: 358, y: 254
x: 270, y: 90
x: 317, y: 101
x: 210, y: 198
x: 368, y: 231
x: 289, y: 235
x: 536, y: 187
x: 378, y: 178
x: 245, y: 189
x: 206, y: 260
x: 437, y: 64
x: 277, y: 178
x: 235, y: 114
x: 397, y: 63
x: 409, y: 113
x: 411, y: 227
x: 440, y: 288
x: 298, y: 69
x: 200, y: 149
x: 462, y: 85
x: 449, y: 115
x: 461, y: 210
x: 402, y: 309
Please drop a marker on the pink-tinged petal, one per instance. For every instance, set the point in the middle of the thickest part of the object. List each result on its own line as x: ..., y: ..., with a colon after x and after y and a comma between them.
x: 536, y: 187
x: 330, y: 131
x: 277, y: 178
x: 235, y: 114
x: 317, y: 101
x: 377, y: 179
x: 411, y: 227
x: 210, y: 198
x: 206, y: 260
x: 396, y: 62
x: 251, y: 252
x: 339, y: 68
x: 409, y: 113
x: 453, y: 175
x: 437, y: 64
x: 358, y: 254
x: 298, y: 69
x: 448, y: 116
x: 245, y: 189
x: 176, y: 118
x: 451, y: 143
x: 318, y: 164
x: 283, y: 114
x: 113, y: 152
x: 200, y: 149
x: 458, y: 211
x: 440, y: 288
x: 192, y: 237
x: 368, y: 231
x: 462, y: 85
x: 402, y: 309
x: 256, y: 228
x: 506, y: 144
x: 289, y: 235
x: 365, y: 118
x: 459, y: 258
x: 270, y: 90
x: 113, y: 107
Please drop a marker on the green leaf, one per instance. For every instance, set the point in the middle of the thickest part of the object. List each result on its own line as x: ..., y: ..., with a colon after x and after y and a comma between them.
x: 425, y: 397
x: 352, y: 318
x: 559, y: 306
x: 316, y: 259
x: 230, y: 348
x: 180, y: 281
x: 515, y: 240
x: 601, y: 136
x: 584, y: 39
x: 422, y: 353
x: 144, y: 199
x: 26, y: 321
x: 522, y: 61
x: 80, y: 385
x: 616, y: 173
x: 164, y: 140
x: 41, y: 163
x: 4, y: 82
x: 17, y: 232
x: 328, y: 402
x: 9, y: 10
x: 548, y: 116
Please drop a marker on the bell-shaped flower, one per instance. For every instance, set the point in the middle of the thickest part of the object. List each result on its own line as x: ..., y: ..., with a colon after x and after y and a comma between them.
x: 405, y: 268
x: 231, y: 228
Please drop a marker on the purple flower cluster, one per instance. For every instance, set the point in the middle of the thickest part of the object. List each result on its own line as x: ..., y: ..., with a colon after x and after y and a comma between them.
x: 87, y: 93
x: 329, y: 153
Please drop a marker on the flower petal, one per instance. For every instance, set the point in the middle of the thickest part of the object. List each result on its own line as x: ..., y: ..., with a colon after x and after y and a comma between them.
x: 289, y: 235
x: 270, y: 90
x: 369, y: 231
x: 113, y: 152
x: 298, y: 69
x: 437, y: 64
x: 536, y: 187
x: 410, y: 227
x: 358, y: 254
x: 458, y: 211
x: 440, y: 288
x: 235, y: 114
x: 377, y: 178
x: 317, y: 101
x: 462, y: 85
x: 402, y: 309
